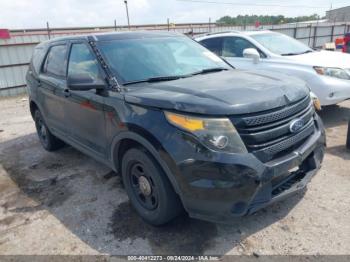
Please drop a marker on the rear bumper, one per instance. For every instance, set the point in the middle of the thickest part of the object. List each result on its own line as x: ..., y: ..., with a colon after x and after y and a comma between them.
x: 241, y: 185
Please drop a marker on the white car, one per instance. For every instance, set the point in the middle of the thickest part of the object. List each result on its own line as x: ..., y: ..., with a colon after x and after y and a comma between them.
x: 326, y: 73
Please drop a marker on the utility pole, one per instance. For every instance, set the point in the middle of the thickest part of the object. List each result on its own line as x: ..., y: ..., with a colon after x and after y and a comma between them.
x: 48, y: 30
x: 127, y: 12
x: 348, y: 137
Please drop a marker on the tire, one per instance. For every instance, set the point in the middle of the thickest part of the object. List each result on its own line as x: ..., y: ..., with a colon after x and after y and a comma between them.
x: 155, y: 199
x: 47, y: 139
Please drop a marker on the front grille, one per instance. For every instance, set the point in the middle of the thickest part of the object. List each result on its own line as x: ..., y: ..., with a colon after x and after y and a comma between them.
x: 267, y: 135
x: 277, y: 115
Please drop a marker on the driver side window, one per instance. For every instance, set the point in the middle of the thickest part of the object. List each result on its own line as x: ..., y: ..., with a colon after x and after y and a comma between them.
x: 82, y: 61
x: 234, y: 46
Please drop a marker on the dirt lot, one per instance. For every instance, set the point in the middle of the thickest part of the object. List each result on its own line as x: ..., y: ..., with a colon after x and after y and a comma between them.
x: 66, y: 203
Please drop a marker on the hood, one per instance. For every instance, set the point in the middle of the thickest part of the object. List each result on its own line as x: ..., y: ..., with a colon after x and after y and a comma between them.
x: 323, y: 58
x: 223, y: 93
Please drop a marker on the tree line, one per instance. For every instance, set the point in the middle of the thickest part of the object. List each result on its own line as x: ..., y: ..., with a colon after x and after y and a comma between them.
x: 264, y: 19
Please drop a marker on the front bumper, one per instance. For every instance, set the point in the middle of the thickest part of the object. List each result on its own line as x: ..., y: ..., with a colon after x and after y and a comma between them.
x: 231, y: 186
x: 331, y: 90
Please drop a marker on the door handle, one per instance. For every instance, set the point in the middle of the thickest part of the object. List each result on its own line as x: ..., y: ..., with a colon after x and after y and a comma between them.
x: 66, y: 93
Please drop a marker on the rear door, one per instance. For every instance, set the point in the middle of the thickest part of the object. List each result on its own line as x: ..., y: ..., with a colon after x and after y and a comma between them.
x: 52, y: 83
x: 85, y: 109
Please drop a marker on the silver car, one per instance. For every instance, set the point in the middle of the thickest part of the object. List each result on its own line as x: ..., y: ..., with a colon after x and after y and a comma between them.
x: 326, y: 73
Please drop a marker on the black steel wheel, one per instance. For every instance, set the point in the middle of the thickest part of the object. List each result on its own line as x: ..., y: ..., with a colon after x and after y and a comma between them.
x: 47, y: 139
x: 148, y: 188
x: 143, y: 186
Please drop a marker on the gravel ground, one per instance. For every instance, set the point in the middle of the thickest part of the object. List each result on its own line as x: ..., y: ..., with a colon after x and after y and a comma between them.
x: 66, y: 203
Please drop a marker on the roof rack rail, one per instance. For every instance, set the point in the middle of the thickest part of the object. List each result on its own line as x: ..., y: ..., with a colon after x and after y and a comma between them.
x: 216, y: 33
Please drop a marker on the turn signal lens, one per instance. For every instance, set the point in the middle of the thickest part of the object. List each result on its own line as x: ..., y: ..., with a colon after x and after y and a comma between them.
x: 316, y: 101
x: 185, y: 122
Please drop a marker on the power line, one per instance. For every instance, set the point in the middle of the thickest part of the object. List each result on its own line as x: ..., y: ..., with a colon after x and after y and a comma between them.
x: 240, y: 4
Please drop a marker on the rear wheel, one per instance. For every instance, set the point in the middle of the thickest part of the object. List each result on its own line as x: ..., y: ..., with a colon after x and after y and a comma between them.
x: 148, y: 188
x: 47, y: 139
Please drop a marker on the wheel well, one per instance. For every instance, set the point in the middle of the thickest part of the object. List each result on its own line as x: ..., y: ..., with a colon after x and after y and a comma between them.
x: 124, y: 146
x: 33, y: 107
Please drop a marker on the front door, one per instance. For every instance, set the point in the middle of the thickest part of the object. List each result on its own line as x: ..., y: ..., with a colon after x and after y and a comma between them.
x: 85, y: 109
x: 232, y: 51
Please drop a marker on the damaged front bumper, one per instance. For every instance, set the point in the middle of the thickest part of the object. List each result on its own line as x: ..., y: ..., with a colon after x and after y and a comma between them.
x: 238, y: 186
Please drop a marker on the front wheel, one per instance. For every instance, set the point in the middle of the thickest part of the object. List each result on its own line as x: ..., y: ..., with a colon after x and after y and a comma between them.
x: 148, y: 188
x: 47, y: 139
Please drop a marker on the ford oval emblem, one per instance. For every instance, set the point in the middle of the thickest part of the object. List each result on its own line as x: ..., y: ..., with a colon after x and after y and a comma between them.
x: 296, y: 125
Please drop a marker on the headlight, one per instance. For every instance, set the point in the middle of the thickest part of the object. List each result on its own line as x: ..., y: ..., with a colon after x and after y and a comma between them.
x: 333, y: 72
x: 316, y: 101
x: 218, y: 134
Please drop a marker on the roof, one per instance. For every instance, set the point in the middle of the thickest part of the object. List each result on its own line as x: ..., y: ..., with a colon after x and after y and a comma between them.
x: 337, y: 9
x: 260, y: 32
x: 234, y: 33
x: 115, y: 36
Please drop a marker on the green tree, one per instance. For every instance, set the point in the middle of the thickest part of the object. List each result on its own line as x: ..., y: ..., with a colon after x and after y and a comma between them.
x: 266, y: 19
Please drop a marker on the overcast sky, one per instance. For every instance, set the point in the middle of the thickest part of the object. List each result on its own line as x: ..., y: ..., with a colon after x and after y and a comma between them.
x: 68, y: 13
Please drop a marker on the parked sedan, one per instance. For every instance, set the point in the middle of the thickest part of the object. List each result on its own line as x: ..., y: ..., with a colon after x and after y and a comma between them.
x: 326, y: 73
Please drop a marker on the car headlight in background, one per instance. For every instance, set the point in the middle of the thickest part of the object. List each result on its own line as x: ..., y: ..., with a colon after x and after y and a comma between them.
x: 316, y: 101
x: 218, y: 134
x: 333, y: 72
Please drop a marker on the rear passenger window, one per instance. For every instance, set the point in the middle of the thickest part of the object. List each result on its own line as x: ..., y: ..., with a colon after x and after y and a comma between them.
x: 213, y: 44
x: 56, y: 61
x: 37, y: 59
x: 82, y: 61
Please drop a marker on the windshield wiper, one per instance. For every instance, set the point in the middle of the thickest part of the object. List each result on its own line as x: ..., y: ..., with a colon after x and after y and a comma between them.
x: 155, y: 79
x: 301, y: 53
x: 307, y: 51
x: 170, y: 78
x: 210, y: 70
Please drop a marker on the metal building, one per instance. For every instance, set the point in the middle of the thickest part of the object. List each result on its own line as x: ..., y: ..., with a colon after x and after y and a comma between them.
x: 339, y: 14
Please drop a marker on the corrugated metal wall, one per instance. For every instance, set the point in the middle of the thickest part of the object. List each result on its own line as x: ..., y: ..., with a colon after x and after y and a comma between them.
x: 15, y: 53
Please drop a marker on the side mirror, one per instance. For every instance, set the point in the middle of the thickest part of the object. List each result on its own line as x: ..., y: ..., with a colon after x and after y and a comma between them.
x: 252, y: 53
x: 84, y: 82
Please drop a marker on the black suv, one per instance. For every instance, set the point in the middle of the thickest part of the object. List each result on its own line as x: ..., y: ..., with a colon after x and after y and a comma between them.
x: 184, y: 129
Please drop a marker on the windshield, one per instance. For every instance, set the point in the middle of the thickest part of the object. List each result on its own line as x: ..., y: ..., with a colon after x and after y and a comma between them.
x: 134, y: 60
x: 281, y: 44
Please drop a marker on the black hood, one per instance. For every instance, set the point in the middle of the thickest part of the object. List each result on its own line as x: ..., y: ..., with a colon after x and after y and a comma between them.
x: 223, y: 93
